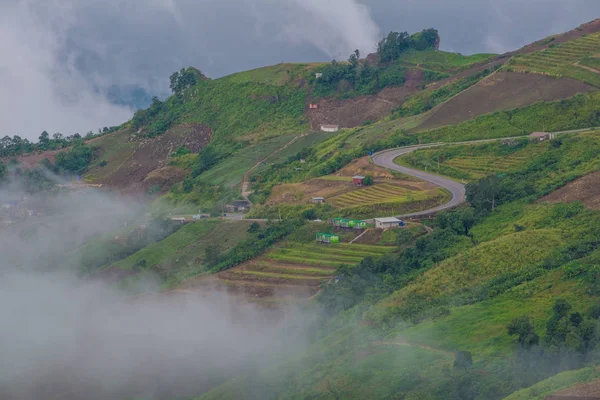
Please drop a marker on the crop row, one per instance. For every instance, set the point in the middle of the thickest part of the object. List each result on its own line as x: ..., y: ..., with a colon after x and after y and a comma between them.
x: 331, y: 251
x: 300, y: 253
x: 313, y: 261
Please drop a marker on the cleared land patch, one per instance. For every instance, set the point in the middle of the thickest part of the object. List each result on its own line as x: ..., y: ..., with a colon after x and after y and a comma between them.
x: 585, y: 189
x: 130, y: 163
x: 502, y: 91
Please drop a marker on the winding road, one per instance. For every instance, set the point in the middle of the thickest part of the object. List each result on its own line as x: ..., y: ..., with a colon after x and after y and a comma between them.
x: 457, y: 190
x: 386, y: 159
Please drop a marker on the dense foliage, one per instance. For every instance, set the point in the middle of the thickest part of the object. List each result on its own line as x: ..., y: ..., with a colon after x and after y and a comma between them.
x: 354, y: 78
x: 392, y: 46
x: 75, y: 160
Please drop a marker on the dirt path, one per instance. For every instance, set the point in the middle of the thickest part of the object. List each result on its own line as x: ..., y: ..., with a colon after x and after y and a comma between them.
x: 400, y: 342
x: 246, y: 180
x: 359, y: 236
x: 586, y: 67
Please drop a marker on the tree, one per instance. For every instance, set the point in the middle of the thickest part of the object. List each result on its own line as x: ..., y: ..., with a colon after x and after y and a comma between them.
x: 368, y: 181
x: 207, y: 158
x: 426, y: 39
x: 181, y: 80
x: 211, y: 254
x: 75, y: 160
x: 524, y: 329
x: 484, y: 194
x: 188, y: 184
x: 390, y: 47
x: 354, y: 58
x: 309, y: 214
x: 254, y: 227
x: 44, y: 140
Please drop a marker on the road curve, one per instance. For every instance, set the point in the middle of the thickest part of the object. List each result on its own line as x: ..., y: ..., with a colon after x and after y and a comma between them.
x: 386, y: 159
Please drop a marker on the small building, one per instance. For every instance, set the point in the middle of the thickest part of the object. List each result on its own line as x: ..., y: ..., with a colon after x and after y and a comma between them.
x: 318, y: 200
x: 238, y: 206
x: 330, y: 128
x: 200, y: 216
x: 388, y: 222
x: 358, y: 180
x: 327, y: 238
x: 319, y: 75
x: 509, y: 142
x: 313, y: 106
x: 358, y: 224
x: 539, y: 136
x: 181, y: 220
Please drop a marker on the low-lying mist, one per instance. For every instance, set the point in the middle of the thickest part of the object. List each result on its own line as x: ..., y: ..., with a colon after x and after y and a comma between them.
x: 66, y: 335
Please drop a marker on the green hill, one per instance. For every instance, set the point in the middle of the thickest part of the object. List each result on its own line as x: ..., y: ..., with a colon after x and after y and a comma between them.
x: 496, y: 298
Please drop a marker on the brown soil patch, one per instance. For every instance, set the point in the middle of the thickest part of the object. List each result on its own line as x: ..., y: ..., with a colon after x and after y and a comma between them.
x: 165, y: 176
x: 502, y: 91
x: 585, y: 189
x: 350, y: 113
x: 580, y: 391
x: 29, y: 161
x: 147, y: 165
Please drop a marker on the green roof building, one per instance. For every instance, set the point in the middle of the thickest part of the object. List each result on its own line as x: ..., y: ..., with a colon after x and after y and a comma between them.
x: 327, y: 238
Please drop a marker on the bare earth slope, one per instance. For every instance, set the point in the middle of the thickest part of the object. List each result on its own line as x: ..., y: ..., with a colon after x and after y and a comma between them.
x: 585, y: 189
x: 503, y: 91
x: 350, y: 113
x: 138, y: 167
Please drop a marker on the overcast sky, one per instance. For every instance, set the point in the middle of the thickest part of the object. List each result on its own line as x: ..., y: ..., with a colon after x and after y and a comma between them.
x: 60, y: 57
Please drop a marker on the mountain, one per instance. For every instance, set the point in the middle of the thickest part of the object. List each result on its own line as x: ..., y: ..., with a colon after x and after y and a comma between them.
x: 496, y: 298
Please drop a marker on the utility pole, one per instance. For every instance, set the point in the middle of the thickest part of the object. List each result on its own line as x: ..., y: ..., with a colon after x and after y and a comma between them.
x: 279, y: 214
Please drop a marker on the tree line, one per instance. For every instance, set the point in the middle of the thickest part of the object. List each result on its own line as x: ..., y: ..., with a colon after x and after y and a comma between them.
x: 16, y: 145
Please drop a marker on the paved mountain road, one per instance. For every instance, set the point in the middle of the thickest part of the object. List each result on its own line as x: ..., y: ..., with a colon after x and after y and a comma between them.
x: 457, y: 190
x: 386, y: 159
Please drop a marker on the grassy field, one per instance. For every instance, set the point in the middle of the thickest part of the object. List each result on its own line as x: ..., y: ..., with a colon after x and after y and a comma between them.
x: 561, y: 60
x: 442, y: 61
x: 182, y: 254
x: 279, y: 74
x: 542, y: 390
x: 231, y: 171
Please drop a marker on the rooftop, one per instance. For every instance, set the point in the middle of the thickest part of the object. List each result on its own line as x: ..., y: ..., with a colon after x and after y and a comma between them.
x: 539, y: 134
x: 387, y: 220
x: 358, y: 177
x: 329, y: 126
x: 318, y: 198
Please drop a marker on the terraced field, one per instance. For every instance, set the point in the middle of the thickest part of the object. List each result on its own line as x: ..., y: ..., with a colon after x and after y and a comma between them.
x: 378, y: 194
x: 562, y: 60
x: 479, y: 166
x: 291, y: 271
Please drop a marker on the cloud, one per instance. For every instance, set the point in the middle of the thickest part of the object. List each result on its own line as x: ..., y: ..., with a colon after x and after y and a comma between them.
x: 61, y: 57
x: 71, y: 338
x: 42, y: 88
